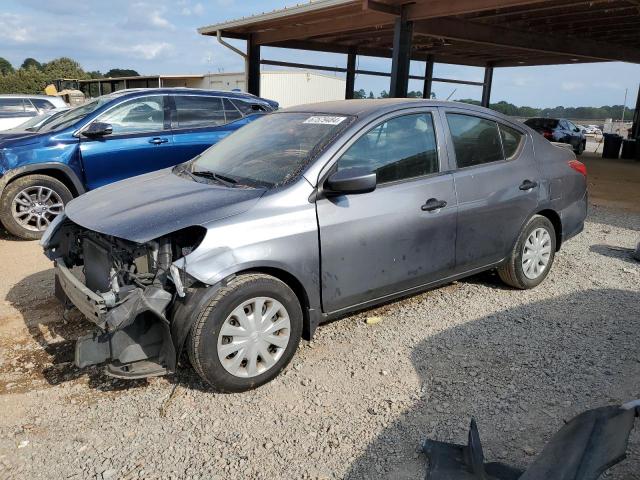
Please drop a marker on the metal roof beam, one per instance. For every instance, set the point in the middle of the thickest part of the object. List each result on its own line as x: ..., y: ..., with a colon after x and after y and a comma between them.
x: 484, y: 34
x: 373, y: 18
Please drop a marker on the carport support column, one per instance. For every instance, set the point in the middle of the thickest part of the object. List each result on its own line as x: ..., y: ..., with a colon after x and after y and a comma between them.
x: 351, y: 74
x: 401, y: 59
x: 486, y: 89
x: 428, y: 78
x: 635, y: 129
x: 253, y: 67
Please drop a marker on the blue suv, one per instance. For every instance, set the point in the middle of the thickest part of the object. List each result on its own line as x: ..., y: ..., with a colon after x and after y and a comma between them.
x: 113, y: 137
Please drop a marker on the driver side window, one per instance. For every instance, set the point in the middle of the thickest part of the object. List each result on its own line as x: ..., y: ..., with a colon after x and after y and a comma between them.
x: 145, y: 114
x: 398, y: 149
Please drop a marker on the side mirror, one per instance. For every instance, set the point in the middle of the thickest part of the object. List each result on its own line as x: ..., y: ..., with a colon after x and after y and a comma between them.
x: 98, y: 129
x: 351, y: 180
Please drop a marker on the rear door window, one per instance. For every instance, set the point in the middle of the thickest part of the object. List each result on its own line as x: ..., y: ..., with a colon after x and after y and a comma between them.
x: 194, y: 111
x: 476, y: 140
x: 397, y: 149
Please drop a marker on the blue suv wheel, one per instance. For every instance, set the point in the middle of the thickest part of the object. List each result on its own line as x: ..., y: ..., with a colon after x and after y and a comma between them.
x: 29, y: 204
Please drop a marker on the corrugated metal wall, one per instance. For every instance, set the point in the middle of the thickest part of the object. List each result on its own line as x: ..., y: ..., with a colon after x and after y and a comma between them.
x: 297, y: 87
x: 286, y: 87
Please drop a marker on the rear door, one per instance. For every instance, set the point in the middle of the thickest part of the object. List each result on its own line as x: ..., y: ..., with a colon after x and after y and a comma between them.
x: 139, y: 142
x: 199, y: 121
x: 386, y: 241
x: 496, y: 179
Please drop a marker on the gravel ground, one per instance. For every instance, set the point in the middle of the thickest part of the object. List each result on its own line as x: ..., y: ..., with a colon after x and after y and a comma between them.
x: 357, y: 401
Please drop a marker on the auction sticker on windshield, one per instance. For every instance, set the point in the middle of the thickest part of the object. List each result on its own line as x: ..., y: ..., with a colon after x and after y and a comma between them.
x: 324, y: 120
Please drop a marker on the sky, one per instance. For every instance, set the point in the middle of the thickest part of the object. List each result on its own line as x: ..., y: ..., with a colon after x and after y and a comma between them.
x: 159, y: 37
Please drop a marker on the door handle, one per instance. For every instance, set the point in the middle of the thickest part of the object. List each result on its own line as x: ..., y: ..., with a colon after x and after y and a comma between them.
x: 528, y: 185
x: 433, y: 204
x: 158, y: 140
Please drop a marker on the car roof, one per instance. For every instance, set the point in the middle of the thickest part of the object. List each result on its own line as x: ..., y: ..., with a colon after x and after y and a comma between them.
x: 173, y: 90
x: 366, y: 107
x: 26, y: 95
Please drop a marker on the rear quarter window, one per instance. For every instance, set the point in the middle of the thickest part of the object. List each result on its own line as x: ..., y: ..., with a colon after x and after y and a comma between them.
x: 511, y: 141
x: 42, y: 104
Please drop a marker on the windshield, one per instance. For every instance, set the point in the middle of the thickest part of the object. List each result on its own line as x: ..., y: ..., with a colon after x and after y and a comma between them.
x: 32, y: 122
x: 72, y: 116
x: 36, y: 123
x: 273, y: 149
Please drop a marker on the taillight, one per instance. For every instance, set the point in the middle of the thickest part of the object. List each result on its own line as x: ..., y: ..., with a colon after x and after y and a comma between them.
x: 548, y: 134
x: 578, y: 167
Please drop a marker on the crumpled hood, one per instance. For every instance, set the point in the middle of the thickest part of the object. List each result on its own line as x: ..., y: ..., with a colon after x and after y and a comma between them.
x: 149, y: 206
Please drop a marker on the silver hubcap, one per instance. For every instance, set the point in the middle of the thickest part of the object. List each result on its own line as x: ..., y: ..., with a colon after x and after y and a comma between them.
x: 34, y: 208
x: 254, y: 337
x: 536, y: 253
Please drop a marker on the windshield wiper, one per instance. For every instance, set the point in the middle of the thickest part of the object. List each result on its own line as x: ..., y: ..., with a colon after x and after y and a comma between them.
x: 214, y: 176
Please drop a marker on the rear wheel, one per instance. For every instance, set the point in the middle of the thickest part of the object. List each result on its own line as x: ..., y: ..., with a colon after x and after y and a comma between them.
x: 29, y: 204
x: 581, y: 148
x: 533, y: 255
x: 247, y: 334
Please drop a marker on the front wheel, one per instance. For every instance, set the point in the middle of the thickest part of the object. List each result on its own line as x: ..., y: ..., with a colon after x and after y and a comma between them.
x: 29, y: 204
x: 533, y: 255
x: 247, y: 334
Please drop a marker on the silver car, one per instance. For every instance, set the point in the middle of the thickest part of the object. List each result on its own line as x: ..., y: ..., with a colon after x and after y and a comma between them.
x: 301, y: 217
x: 17, y: 109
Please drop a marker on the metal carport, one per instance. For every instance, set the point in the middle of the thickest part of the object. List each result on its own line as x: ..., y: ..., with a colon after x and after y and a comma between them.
x: 485, y: 33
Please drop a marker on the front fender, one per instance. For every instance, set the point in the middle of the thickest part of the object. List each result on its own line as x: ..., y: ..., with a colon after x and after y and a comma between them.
x: 32, y: 168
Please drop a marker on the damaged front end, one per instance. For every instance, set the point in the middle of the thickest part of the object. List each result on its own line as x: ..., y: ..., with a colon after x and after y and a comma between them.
x: 128, y: 290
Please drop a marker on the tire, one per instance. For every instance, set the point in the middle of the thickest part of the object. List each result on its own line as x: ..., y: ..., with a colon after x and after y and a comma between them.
x: 207, y: 339
x: 513, y: 271
x: 580, y: 149
x: 30, y: 185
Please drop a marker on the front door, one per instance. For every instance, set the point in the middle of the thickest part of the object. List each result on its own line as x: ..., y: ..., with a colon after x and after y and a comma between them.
x: 138, y: 144
x: 496, y: 181
x: 402, y: 234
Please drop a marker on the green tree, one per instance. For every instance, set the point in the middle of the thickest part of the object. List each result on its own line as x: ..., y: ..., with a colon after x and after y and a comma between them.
x: 5, y: 66
x: 30, y: 80
x: 121, y: 72
x: 360, y: 94
x: 384, y: 94
x: 63, y: 67
x: 31, y: 62
x: 371, y: 95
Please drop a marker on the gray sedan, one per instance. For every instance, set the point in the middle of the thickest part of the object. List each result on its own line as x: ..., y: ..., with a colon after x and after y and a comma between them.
x: 301, y: 217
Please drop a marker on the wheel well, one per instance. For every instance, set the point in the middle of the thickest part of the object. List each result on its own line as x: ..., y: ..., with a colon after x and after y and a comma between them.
x: 54, y: 173
x: 554, y: 218
x: 294, y: 284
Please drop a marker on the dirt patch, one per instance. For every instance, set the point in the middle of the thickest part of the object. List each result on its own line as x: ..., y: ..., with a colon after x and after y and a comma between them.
x: 355, y: 403
x: 613, y: 183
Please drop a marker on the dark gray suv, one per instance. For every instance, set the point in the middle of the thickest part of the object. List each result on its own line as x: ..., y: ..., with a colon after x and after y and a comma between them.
x: 300, y: 217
